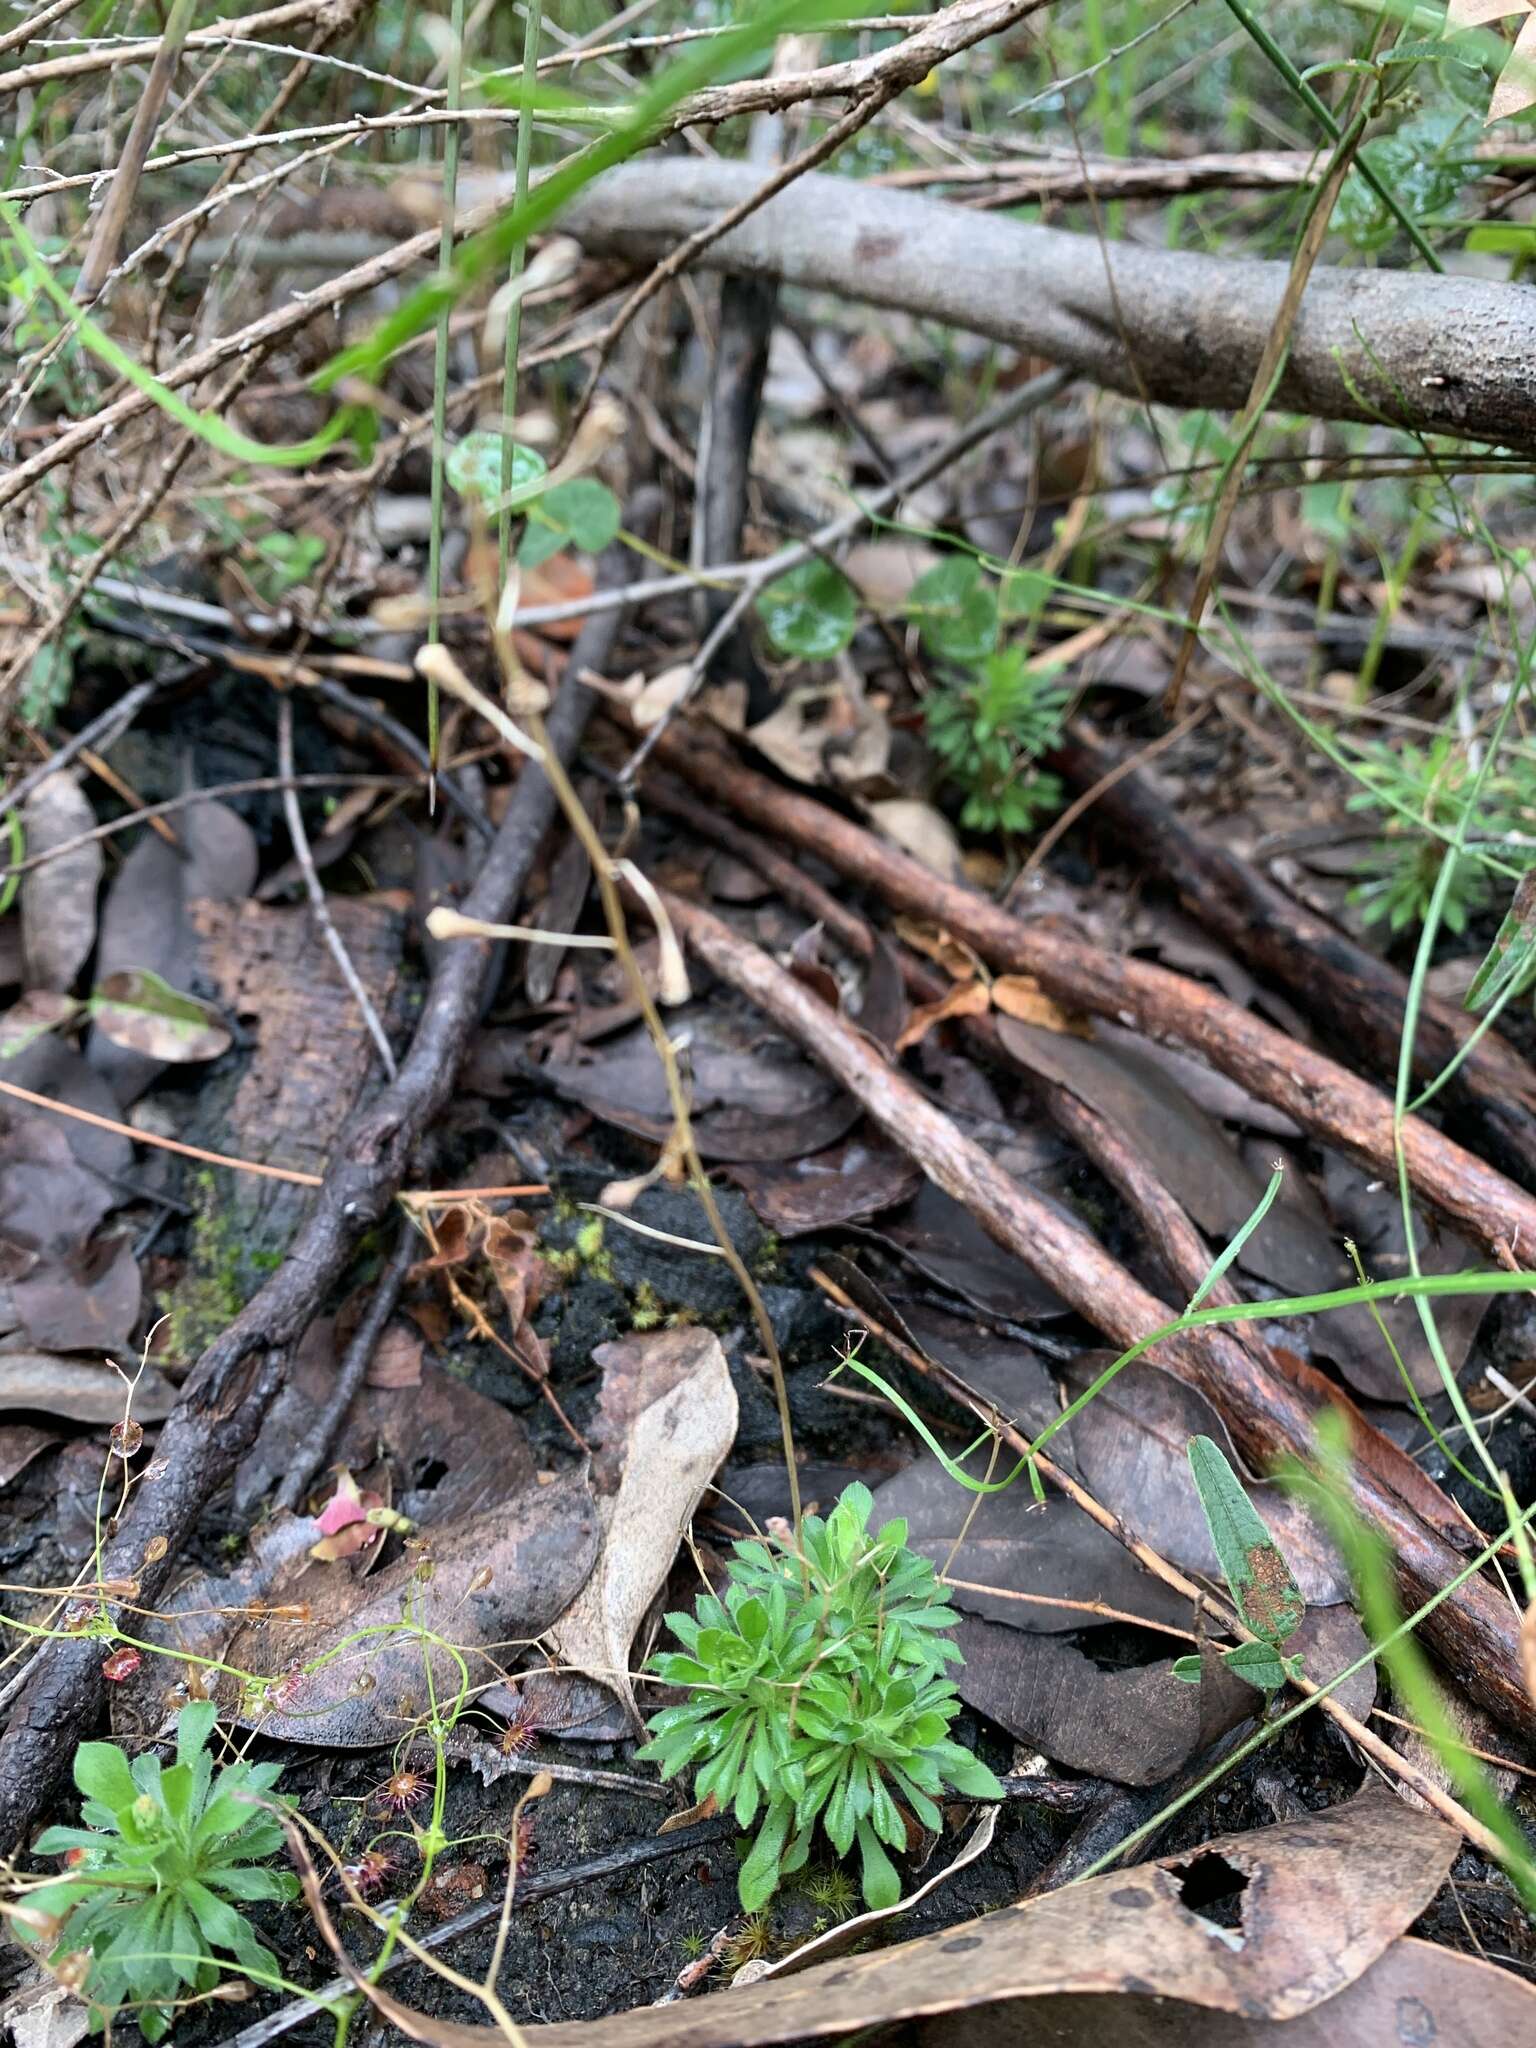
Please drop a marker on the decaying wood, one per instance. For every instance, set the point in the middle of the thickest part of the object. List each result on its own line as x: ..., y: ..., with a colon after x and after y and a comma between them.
x: 1355, y: 996
x: 235, y: 1381
x: 1474, y: 1630
x: 1439, y: 355
x: 1315, y: 1091
x: 288, y: 1102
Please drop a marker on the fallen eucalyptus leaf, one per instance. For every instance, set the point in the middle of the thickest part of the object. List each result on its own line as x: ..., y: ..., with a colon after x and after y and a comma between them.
x: 137, y: 1010
x: 58, y: 899
x: 31, y: 1017
x: 79, y: 1392
x: 666, y: 1420
x: 1320, y: 1901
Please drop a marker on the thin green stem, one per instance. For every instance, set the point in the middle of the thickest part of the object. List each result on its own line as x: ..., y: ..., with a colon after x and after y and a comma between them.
x: 453, y: 98
x: 533, y: 15
x: 1330, y: 127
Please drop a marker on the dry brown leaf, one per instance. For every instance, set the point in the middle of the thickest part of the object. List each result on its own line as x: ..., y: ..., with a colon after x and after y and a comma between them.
x: 965, y: 999
x: 495, y: 1580
x: 80, y: 1392
x: 396, y: 1360
x: 920, y: 830
x: 1516, y: 87
x: 1020, y: 996
x: 936, y: 944
x: 1528, y: 1650
x: 1320, y: 1901
x: 666, y: 1419
x: 58, y: 900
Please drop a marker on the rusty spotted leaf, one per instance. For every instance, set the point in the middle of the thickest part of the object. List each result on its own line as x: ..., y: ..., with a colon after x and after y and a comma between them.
x: 1260, y: 1580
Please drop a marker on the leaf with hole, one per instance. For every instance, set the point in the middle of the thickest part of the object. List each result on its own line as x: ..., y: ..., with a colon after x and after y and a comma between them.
x: 579, y: 514
x: 1259, y: 1578
x: 955, y: 610
x: 810, y: 612
x: 137, y: 1009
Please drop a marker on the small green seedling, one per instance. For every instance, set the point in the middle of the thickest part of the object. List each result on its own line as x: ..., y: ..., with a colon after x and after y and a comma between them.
x: 1258, y: 1577
x: 154, y: 1869
x: 818, y: 1698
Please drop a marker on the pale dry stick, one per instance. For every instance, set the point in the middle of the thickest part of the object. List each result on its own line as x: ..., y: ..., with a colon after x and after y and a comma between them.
x: 113, y: 218
x: 223, y: 193
x: 128, y: 523
x: 1027, y: 399
x: 1266, y: 376
x: 152, y: 1138
x: 1380, y: 1752
x: 1096, y: 1608
x: 240, y: 28
x: 306, y: 860
x: 858, y: 116
x: 101, y: 732
x: 24, y: 31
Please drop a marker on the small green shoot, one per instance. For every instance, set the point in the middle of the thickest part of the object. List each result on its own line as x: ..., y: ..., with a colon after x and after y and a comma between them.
x: 162, y: 1854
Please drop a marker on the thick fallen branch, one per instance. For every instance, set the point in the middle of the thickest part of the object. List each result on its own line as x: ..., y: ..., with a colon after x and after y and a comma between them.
x: 229, y: 1392
x: 1355, y: 996
x: 1320, y: 1095
x: 1475, y: 1630
x: 1433, y: 354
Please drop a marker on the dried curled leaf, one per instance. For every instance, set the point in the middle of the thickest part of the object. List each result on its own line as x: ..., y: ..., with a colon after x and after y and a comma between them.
x: 1516, y: 87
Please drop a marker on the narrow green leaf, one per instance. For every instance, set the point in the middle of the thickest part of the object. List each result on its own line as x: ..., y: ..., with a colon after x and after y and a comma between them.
x: 1265, y: 1203
x: 759, y: 1876
x: 1260, y: 1580
x: 1511, y: 959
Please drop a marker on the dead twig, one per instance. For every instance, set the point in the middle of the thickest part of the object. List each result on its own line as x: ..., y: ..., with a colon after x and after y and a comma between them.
x: 306, y: 860
x: 113, y: 218
x: 351, y: 1372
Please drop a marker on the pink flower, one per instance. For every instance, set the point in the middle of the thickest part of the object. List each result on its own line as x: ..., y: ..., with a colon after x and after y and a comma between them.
x: 351, y: 1520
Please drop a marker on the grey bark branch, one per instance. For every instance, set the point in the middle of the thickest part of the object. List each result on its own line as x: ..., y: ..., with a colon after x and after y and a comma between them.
x: 1451, y: 355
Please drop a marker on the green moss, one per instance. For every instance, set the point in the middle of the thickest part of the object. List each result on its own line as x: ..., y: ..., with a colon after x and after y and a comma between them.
x: 765, y: 1260
x: 215, y: 1284
x: 646, y: 1311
